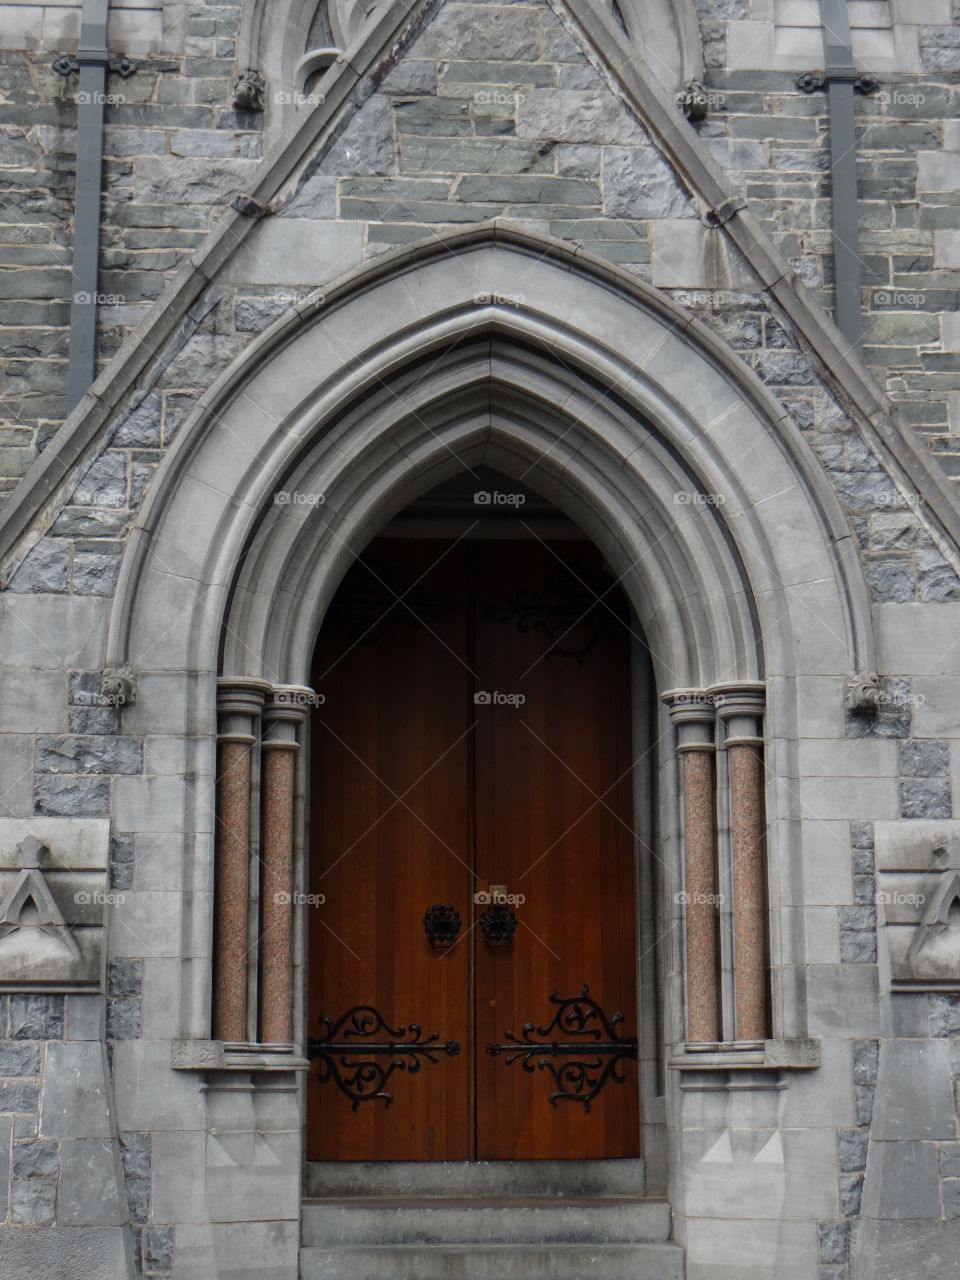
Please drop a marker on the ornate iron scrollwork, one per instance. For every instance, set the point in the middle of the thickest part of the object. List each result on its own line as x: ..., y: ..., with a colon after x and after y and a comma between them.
x: 441, y: 925
x: 593, y: 1060
x: 574, y: 608
x: 362, y: 1078
x: 498, y: 925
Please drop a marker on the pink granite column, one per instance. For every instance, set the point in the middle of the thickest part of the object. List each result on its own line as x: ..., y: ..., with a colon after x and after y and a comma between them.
x: 238, y: 708
x: 694, y: 716
x: 282, y: 716
x: 740, y: 709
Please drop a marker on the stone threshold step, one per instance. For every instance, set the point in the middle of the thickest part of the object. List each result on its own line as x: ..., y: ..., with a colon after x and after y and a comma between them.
x: 471, y: 1221
x: 475, y: 1178
x: 495, y: 1262
x: 476, y: 1202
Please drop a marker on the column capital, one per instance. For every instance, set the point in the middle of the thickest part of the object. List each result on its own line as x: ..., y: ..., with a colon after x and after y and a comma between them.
x: 740, y: 705
x: 239, y: 703
x: 694, y: 715
x: 284, y: 711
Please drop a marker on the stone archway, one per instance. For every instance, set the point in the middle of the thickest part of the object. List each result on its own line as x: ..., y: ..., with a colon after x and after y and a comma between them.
x: 491, y: 346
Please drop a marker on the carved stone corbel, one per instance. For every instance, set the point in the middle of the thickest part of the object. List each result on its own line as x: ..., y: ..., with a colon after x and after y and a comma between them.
x: 248, y: 90
x: 694, y: 100
x: 118, y: 686
x: 861, y: 693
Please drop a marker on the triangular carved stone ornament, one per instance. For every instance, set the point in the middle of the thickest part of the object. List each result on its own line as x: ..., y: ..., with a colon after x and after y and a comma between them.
x: 29, y: 904
x: 941, y: 902
x: 932, y: 955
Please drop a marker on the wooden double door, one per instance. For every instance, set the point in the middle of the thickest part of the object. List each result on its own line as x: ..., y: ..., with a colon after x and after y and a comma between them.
x: 472, y: 958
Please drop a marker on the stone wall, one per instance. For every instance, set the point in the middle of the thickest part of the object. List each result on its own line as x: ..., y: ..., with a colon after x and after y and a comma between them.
x: 174, y: 150
x: 497, y: 111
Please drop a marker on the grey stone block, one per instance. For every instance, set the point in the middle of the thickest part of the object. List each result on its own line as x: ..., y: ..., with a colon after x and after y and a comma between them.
x: 925, y: 798
x: 252, y: 315
x: 95, y: 573
x: 914, y: 1098
x: 863, y: 1096
x: 18, y: 1096
x: 461, y: 32
x: 858, y: 918
x: 857, y: 947
x: 135, y: 1149
x: 936, y: 580
x: 907, y: 1014
x: 89, y: 1194
x: 72, y: 795
x: 104, y: 483
x: 180, y: 180
x: 637, y: 183
x: 36, y: 1017
x: 123, y: 1019
x: 37, y: 1159
x: 95, y: 720
x: 44, y: 569
x: 833, y: 1241
x: 6, y: 1130
x: 950, y: 1197
x: 475, y: 155
x: 944, y: 1016
x: 864, y: 886
x: 891, y: 581
x: 158, y: 1249
x: 24, y: 1126
x: 861, y: 835
x: 74, y: 1103
x: 950, y: 1159
x: 923, y: 758
x: 63, y: 1253
x: 851, y: 1194
x: 365, y: 145
x: 121, y: 861
x: 866, y: 1059
x: 902, y: 1181
x: 137, y: 1192
x: 19, y: 1059
x: 83, y: 1017
x: 579, y: 160
x: 140, y: 429
x: 411, y: 76
x: 88, y: 754
x: 33, y: 1201
x: 316, y: 197
x: 852, y: 1150
x: 124, y: 977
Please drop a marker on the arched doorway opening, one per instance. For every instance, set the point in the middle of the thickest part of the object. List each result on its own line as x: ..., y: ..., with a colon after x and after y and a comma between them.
x: 475, y: 845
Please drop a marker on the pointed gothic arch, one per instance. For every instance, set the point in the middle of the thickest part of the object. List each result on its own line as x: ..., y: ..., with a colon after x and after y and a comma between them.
x: 488, y: 346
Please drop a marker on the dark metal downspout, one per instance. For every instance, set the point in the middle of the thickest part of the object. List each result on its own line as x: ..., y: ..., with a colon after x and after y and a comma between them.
x: 840, y: 76
x: 841, y: 79
x: 92, y: 62
x: 93, y: 65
